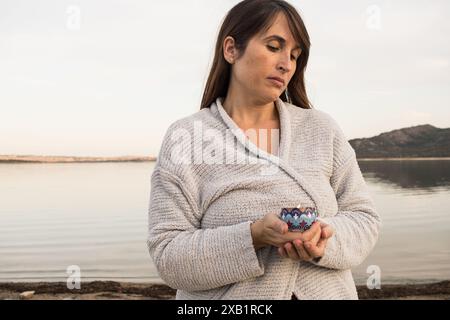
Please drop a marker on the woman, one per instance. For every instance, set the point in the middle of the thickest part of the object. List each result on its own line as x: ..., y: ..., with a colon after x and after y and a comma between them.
x: 256, y: 146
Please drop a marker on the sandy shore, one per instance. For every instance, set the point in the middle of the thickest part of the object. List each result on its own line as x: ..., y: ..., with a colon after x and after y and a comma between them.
x: 405, y: 158
x: 70, y: 159
x: 100, y: 290
x: 96, y: 290
x: 74, y: 159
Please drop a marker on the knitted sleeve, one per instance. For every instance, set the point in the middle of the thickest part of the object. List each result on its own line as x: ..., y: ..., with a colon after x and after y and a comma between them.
x: 186, y: 256
x: 356, y: 224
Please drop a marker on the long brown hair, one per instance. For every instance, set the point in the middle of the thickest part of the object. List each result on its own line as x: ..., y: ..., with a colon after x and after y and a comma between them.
x: 242, y: 22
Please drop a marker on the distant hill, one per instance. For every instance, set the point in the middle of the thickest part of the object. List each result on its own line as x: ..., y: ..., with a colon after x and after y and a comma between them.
x: 424, y: 141
x: 62, y: 159
x: 418, y: 141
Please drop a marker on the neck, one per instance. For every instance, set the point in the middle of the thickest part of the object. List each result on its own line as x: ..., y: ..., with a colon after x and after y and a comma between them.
x: 249, y: 111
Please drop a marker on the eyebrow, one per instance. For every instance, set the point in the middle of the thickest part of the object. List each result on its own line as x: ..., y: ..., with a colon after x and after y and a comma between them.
x: 280, y: 39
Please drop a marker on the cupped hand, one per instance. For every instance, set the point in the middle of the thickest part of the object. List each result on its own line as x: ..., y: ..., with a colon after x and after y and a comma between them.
x: 271, y: 230
x: 311, y: 246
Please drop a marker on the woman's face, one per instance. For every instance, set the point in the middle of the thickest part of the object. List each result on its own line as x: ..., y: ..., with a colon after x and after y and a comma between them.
x: 267, y: 55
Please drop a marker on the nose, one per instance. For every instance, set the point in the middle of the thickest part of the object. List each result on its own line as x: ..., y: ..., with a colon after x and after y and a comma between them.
x: 285, y: 64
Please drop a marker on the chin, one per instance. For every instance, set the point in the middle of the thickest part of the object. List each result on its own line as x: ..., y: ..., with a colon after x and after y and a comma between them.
x: 270, y: 95
x: 277, y: 95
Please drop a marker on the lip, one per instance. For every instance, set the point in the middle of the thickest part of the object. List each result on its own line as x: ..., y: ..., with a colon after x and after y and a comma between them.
x: 277, y: 80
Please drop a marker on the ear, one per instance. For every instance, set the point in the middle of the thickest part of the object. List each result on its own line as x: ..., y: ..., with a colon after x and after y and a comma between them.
x: 229, y: 50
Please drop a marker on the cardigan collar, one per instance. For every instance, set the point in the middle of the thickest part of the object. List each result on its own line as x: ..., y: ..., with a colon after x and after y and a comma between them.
x: 283, y: 160
x: 285, y: 131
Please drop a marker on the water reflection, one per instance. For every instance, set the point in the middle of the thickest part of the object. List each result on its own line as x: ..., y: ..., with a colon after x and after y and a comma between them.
x: 412, y: 174
x: 95, y: 216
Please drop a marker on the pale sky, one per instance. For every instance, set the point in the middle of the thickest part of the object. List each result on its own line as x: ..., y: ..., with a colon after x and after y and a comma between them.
x: 107, y: 77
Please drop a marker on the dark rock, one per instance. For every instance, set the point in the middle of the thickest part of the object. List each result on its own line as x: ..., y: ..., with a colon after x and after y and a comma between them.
x: 419, y: 141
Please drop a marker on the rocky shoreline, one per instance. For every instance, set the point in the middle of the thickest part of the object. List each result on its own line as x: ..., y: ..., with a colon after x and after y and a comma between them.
x: 111, y: 290
x: 73, y: 159
x: 70, y: 159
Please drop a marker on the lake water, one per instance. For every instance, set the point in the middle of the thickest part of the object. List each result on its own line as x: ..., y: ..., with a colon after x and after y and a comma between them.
x: 94, y: 215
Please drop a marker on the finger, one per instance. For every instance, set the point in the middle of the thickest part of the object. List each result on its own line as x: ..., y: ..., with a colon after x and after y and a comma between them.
x: 318, y: 250
x: 321, y: 245
x: 303, y: 254
x: 282, y: 252
x: 277, y: 224
x: 327, y: 232
x: 322, y: 223
x: 313, y: 250
x: 311, y: 232
x: 323, y: 226
x: 291, y: 251
x: 315, y: 238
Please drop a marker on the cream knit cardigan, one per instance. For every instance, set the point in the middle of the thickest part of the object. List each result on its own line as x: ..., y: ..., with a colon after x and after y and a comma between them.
x: 210, y: 183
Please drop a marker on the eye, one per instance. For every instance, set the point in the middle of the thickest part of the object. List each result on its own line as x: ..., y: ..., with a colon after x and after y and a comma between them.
x: 273, y: 48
